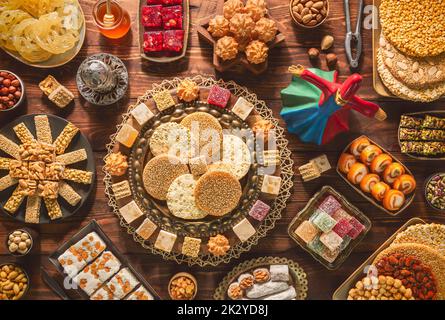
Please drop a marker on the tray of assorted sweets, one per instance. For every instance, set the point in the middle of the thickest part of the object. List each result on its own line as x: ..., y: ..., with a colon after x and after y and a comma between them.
x: 163, y: 29
x: 201, y: 179
x: 377, y: 175
x: 265, y: 278
x: 422, y: 135
x: 410, y: 265
x: 329, y: 227
x: 47, y: 169
x: 97, y: 270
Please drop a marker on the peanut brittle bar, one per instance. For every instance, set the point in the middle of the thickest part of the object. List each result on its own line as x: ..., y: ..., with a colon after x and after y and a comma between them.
x: 7, y: 181
x: 79, y: 176
x: 28, y: 187
x: 32, y: 214
x: 9, y: 147
x: 49, y: 84
x: 14, y: 201
x: 54, y: 171
x: 72, y: 157
x: 37, y: 151
x: 48, y: 189
x: 43, y: 129
x: 69, y: 194
x: 23, y: 133
x: 4, y: 163
x: 65, y: 137
x: 53, y: 207
x: 18, y: 169
x: 36, y: 170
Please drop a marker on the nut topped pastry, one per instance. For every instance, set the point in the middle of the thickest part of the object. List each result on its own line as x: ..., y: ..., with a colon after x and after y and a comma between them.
x: 231, y: 7
x: 266, y: 29
x: 256, y: 9
x: 219, y: 26
x: 218, y: 245
x: 227, y: 48
x: 241, y: 26
x: 116, y: 164
x: 257, y: 52
x: 188, y: 90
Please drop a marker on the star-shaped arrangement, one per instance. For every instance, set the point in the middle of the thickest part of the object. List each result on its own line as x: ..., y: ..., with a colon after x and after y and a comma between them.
x: 39, y: 169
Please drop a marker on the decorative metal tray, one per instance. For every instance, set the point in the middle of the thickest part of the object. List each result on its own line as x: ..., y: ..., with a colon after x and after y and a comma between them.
x: 204, y: 228
x: 299, y: 278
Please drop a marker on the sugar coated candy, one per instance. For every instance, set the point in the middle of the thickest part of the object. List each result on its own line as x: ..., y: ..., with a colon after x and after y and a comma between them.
x: 342, y: 227
x: 324, y: 221
x: 218, y: 96
x: 306, y: 231
x: 346, y: 241
x: 341, y: 214
x: 357, y: 228
x: 316, y: 245
x: 259, y: 210
x: 331, y: 240
x: 329, y: 255
x: 330, y: 205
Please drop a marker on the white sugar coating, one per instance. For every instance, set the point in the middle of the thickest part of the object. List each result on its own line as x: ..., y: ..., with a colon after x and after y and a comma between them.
x: 181, y: 198
x: 142, y: 114
x: 171, y: 138
x: 237, y: 153
x: 279, y: 272
x: 242, y: 108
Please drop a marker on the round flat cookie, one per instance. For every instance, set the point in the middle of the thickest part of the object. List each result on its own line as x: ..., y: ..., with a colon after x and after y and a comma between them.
x: 426, y: 255
x: 217, y: 193
x: 415, y: 27
x: 206, y: 134
x: 172, y: 138
x: 222, y: 166
x: 402, y: 91
x: 181, y: 198
x: 431, y: 234
x: 160, y: 172
x: 236, y: 153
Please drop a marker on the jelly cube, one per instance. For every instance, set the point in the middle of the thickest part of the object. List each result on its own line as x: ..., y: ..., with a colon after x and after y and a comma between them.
x: 172, y: 17
x: 346, y: 241
x: 153, y: 41
x: 316, y: 245
x: 171, y: 2
x: 330, y: 255
x: 357, y: 228
x: 149, y: 2
x: 342, y: 227
x: 323, y: 221
x: 152, y: 16
x: 341, y: 214
x: 306, y: 231
x: 163, y: 100
x: 330, y: 205
x: 331, y: 240
x: 259, y: 210
x: 174, y: 40
x: 219, y: 96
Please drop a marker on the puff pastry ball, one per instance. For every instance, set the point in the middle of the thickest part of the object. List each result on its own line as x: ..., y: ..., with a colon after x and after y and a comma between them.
x: 266, y: 29
x: 231, y: 7
x: 188, y: 90
x: 218, y: 27
x: 242, y: 26
x: 256, y: 9
x: 226, y: 48
x: 257, y: 52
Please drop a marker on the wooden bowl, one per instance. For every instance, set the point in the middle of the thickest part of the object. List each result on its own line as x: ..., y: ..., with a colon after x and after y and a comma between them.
x: 303, y: 25
x: 187, y: 275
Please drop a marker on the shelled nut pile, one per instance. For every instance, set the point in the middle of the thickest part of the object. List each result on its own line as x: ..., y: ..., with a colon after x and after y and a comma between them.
x: 309, y: 13
x: 381, y: 288
x: 19, y: 242
x: 10, y: 90
x: 13, y: 282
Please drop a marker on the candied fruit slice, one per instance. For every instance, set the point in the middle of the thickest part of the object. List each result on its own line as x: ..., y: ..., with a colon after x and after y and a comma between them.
x: 171, y: 2
x: 172, y: 17
x: 357, y: 228
x: 219, y: 96
x: 153, y: 41
x: 330, y: 205
x: 174, y: 40
x: 342, y: 227
x: 152, y: 16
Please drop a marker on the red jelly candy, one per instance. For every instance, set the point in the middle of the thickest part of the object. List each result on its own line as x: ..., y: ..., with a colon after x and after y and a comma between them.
x: 174, y: 40
x: 330, y: 205
x: 151, y: 16
x: 153, y: 41
x: 171, y: 2
x: 219, y: 96
x: 342, y: 227
x: 259, y: 210
x: 357, y: 228
x: 154, y: 1
x: 172, y: 17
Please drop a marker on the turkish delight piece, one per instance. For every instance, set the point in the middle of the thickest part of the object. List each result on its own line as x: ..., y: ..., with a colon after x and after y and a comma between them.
x: 316, y: 246
x: 218, y: 96
x: 173, y: 40
x: 323, y: 221
x: 259, y: 290
x: 127, y: 135
x: 244, y: 230
x: 142, y: 114
x: 122, y: 283
x: 342, y: 227
x: 242, y: 108
x: 163, y: 100
x: 171, y: 2
x: 357, y: 228
x: 279, y: 272
x: 191, y: 246
x: 331, y: 240
x: 259, y: 210
x: 271, y: 184
x: 146, y: 229
x: 152, y: 16
x: 140, y: 294
x: 346, y: 241
x: 172, y: 17
x: 341, y: 214
x: 153, y: 41
x: 330, y: 205
x: 288, y: 294
x: 121, y: 189
x: 329, y: 255
x: 131, y: 212
x: 165, y: 241
x: 306, y: 231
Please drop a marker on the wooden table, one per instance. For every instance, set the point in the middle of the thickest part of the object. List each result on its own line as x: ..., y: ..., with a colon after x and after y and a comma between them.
x: 99, y: 123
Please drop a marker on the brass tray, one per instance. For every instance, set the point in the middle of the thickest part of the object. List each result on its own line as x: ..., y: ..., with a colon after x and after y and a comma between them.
x: 308, y: 211
x: 342, y: 292
x: 56, y: 60
x: 408, y: 200
x: 421, y: 114
x: 183, y: 228
x: 161, y: 57
x: 298, y: 275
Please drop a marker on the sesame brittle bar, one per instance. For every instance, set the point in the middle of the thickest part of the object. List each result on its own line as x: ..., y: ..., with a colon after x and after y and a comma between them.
x: 32, y: 214
x: 7, y: 182
x: 9, y: 147
x: 43, y: 129
x: 79, y: 176
x: 65, y: 137
x: 69, y: 194
x: 22, y: 132
x: 72, y: 157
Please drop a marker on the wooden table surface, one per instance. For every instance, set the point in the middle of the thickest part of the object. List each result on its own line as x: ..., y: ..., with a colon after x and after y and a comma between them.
x: 98, y: 123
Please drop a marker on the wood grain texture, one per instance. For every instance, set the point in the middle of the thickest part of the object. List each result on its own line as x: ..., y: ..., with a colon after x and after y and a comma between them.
x: 98, y: 123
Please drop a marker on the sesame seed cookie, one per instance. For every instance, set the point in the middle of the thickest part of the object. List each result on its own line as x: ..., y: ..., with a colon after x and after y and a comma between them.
x: 432, y: 235
x: 168, y: 136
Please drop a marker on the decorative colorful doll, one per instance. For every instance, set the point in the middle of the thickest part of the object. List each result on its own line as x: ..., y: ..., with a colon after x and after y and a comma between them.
x: 316, y: 105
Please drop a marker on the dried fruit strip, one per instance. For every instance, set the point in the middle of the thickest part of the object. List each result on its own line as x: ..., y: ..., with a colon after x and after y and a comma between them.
x: 79, y: 176
x: 4, y: 163
x: 14, y: 201
x: 43, y: 129
x: 65, y: 138
x: 9, y: 147
x: 6, y: 182
x: 69, y: 194
x: 53, y: 207
x: 23, y: 133
x: 72, y: 157
x: 32, y: 214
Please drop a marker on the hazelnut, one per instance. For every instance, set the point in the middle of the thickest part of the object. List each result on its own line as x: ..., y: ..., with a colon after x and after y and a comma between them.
x: 331, y: 60
x: 313, y: 53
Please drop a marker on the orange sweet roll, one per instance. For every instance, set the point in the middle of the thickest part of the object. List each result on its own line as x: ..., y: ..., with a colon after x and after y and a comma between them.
x: 405, y: 183
x: 380, y: 163
x: 393, y: 200
x: 392, y: 172
x: 368, y: 182
x: 357, y: 172
x: 369, y: 153
x: 379, y: 190
x: 345, y: 162
x: 358, y: 145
